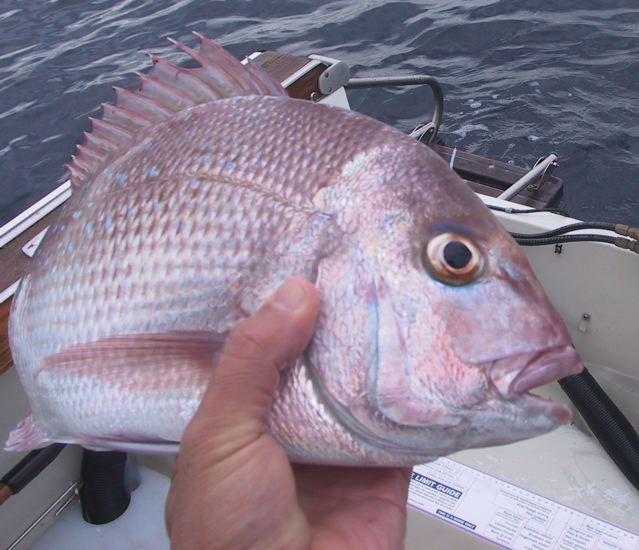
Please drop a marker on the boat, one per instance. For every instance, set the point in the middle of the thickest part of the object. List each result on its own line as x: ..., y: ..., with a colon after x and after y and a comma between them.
x: 560, y: 490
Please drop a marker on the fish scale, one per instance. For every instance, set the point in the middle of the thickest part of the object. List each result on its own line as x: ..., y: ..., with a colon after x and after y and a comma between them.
x: 194, y: 198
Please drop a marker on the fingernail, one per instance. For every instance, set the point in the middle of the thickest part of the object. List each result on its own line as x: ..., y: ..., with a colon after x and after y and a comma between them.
x: 289, y: 297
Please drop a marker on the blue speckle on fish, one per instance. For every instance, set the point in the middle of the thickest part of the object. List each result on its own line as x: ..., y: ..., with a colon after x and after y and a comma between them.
x: 152, y: 172
x: 121, y: 178
x: 204, y: 144
x: 158, y: 206
x: 88, y: 228
x: 206, y: 161
x: 195, y: 183
x: 108, y: 223
x: 228, y: 166
x: 76, y: 214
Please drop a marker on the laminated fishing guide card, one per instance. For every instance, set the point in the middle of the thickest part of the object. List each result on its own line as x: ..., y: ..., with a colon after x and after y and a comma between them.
x: 506, y: 514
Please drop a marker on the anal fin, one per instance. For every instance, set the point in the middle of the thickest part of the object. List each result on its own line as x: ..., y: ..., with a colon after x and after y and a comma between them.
x: 128, y: 392
x: 131, y: 446
x: 27, y: 436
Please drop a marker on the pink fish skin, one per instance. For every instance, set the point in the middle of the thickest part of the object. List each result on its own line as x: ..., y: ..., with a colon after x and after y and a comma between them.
x: 198, y: 195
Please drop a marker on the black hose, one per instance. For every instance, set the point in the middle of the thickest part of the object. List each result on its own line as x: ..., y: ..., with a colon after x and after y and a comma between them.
x: 535, y: 240
x: 529, y: 210
x: 567, y: 229
x: 29, y: 467
x: 104, y: 495
x: 613, y: 430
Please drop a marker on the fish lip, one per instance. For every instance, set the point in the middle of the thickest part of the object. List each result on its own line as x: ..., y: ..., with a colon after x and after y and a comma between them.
x: 519, y: 373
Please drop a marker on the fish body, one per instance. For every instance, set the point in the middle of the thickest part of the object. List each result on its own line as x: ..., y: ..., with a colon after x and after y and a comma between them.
x: 432, y: 326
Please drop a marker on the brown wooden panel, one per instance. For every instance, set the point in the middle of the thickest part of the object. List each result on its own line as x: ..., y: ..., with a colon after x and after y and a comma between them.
x: 492, y: 192
x: 488, y: 169
x: 491, y: 177
x: 5, y: 353
x: 12, y: 259
x: 281, y: 66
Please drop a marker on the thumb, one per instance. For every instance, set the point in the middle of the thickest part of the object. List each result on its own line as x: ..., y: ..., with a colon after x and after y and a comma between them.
x: 236, y: 404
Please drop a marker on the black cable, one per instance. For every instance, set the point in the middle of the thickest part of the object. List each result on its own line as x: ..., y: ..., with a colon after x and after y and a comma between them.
x: 104, y: 495
x: 534, y: 240
x: 567, y: 229
x: 29, y: 467
x: 613, y: 430
x: 529, y: 210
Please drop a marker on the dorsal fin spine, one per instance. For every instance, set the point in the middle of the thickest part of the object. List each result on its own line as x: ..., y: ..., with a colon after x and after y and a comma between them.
x: 147, y: 106
x: 81, y: 162
x: 78, y: 176
x: 154, y: 88
x: 95, y: 141
x: 124, y: 117
x: 208, y: 71
x: 199, y: 90
x: 108, y: 128
x: 166, y: 90
x: 92, y: 154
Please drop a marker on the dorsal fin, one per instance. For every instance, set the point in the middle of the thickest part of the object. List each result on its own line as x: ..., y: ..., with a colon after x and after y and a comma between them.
x: 166, y: 90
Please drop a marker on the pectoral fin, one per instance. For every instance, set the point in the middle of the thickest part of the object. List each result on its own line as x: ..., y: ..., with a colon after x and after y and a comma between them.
x: 187, y: 355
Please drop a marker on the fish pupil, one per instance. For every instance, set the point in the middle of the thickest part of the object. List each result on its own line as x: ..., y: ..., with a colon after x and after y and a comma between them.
x: 457, y: 255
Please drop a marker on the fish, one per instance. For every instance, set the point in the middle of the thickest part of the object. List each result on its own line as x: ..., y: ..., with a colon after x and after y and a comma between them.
x: 195, y: 197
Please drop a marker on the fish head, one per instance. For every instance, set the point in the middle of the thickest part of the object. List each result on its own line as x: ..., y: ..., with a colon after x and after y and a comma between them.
x: 448, y: 327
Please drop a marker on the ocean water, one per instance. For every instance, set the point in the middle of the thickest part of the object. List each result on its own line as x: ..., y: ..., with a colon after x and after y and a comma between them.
x: 522, y: 78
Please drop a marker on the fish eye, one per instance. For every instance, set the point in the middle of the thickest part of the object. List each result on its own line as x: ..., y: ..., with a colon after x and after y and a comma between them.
x: 452, y: 259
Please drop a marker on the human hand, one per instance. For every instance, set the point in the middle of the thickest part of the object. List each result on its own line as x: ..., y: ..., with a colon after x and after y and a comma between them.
x: 233, y: 486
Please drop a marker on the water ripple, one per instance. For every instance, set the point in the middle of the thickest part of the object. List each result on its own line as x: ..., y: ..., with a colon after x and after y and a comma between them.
x: 521, y: 78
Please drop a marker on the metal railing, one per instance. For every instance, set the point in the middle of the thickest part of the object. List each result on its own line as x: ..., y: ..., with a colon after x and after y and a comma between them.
x: 428, y: 130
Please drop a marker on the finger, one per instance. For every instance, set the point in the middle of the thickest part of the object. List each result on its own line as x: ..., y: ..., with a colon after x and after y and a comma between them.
x: 237, y: 401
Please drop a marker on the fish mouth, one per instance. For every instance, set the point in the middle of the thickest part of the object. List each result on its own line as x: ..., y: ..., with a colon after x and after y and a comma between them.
x: 516, y: 375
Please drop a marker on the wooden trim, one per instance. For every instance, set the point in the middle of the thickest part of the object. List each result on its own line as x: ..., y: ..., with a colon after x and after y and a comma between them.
x: 491, y: 177
x: 5, y: 353
x: 14, y: 262
x: 280, y: 66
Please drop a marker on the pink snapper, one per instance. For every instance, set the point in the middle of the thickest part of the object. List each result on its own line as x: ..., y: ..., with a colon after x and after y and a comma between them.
x: 199, y: 194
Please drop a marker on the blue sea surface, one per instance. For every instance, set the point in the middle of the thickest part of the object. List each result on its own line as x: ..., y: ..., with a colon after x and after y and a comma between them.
x: 521, y: 78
